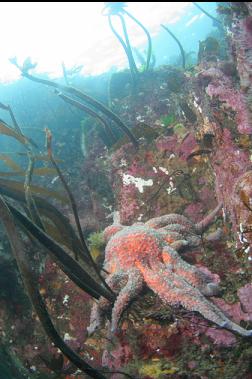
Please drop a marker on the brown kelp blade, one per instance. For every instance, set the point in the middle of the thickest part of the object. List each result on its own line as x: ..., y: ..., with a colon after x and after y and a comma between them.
x: 36, y: 298
x: 85, y: 248
x: 8, y: 131
x: 40, y: 157
x: 19, y: 187
x: 68, y: 265
x: 9, y: 162
x: 19, y: 171
x: 65, y: 233
x: 88, y: 99
x: 42, y: 171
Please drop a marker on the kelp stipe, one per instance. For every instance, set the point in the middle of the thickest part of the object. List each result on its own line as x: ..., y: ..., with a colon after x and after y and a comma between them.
x: 179, y: 44
x: 118, y: 9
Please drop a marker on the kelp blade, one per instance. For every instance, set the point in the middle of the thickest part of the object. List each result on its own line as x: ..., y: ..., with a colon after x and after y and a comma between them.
x: 8, y: 131
x: 19, y: 187
x: 66, y: 263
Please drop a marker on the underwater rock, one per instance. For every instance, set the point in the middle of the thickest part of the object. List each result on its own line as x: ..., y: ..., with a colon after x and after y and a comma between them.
x: 166, y: 143
x: 242, y: 41
x: 242, y: 195
x: 175, y: 80
x: 221, y: 337
x: 209, y: 50
x: 222, y: 87
x: 245, y: 296
x: 232, y: 168
x: 121, y: 356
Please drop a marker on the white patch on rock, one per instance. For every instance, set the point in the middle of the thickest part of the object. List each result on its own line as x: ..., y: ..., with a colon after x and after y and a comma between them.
x: 138, y: 182
x: 67, y: 337
x: 123, y: 163
x: 247, y: 250
x: 65, y: 300
x: 163, y: 169
x: 171, y: 156
x: 171, y: 187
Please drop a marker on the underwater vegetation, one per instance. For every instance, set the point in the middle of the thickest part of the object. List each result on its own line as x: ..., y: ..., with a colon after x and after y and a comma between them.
x: 27, y: 66
x: 33, y: 225
x: 70, y: 72
x: 165, y: 289
x: 118, y: 9
x: 179, y: 44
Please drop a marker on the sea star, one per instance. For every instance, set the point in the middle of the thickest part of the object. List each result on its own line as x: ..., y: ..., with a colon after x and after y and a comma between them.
x: 146, y: 253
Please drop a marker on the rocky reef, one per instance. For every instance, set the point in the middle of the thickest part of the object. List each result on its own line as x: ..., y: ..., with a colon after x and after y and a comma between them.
x: 193, y: 130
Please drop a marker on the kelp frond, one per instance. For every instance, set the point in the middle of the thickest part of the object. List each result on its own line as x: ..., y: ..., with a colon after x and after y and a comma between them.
x: 182, y: 51
x: 89, y: 111
x: 86, y: 98
x: 18, y: 187
x: 68, y: 265
x: 8, y: 131
x: 74, y: 208
x: 34, y: 294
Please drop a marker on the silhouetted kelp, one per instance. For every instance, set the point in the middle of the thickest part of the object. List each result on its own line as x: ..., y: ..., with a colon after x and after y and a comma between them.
x: 118, y: 9
x: 17, y: 129
x: 216, y: 22
x: 88, y: 110
x: 81, y: 95
x: 179, y: 44
x: 70, y: 72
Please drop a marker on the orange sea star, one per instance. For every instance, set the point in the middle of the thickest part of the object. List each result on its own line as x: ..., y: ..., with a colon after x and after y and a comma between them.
x: 146, y: 253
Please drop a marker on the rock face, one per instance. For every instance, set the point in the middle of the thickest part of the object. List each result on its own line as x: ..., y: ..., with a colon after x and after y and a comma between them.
x: 194, y: 131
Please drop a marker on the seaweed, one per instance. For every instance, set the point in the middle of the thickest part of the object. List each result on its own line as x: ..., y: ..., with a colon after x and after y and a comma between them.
x: 74, y: 209
x: 118, y: 9
x: 216, y: 22
x: 95, y: 115
x: 84, y: 97
x: 34, y: 294
x: 179, y: 45
x: 168, y: 120
x: 16, y: 126
x: 36, y: 229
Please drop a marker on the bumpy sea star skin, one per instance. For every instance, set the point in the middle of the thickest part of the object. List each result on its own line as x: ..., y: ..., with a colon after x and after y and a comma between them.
x: 144, y: 254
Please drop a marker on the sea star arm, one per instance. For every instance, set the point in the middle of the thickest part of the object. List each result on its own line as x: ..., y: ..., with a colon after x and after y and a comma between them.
x: 179, y: 244
x: 178, y: 236
x: 173, y: 218
x: 181, y: 229
x: 214, y: 236
x: 173, y: 290
x: 191, y: 274
x: 115, y: 281
x: 133, y: 288
x: 208, y: 220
